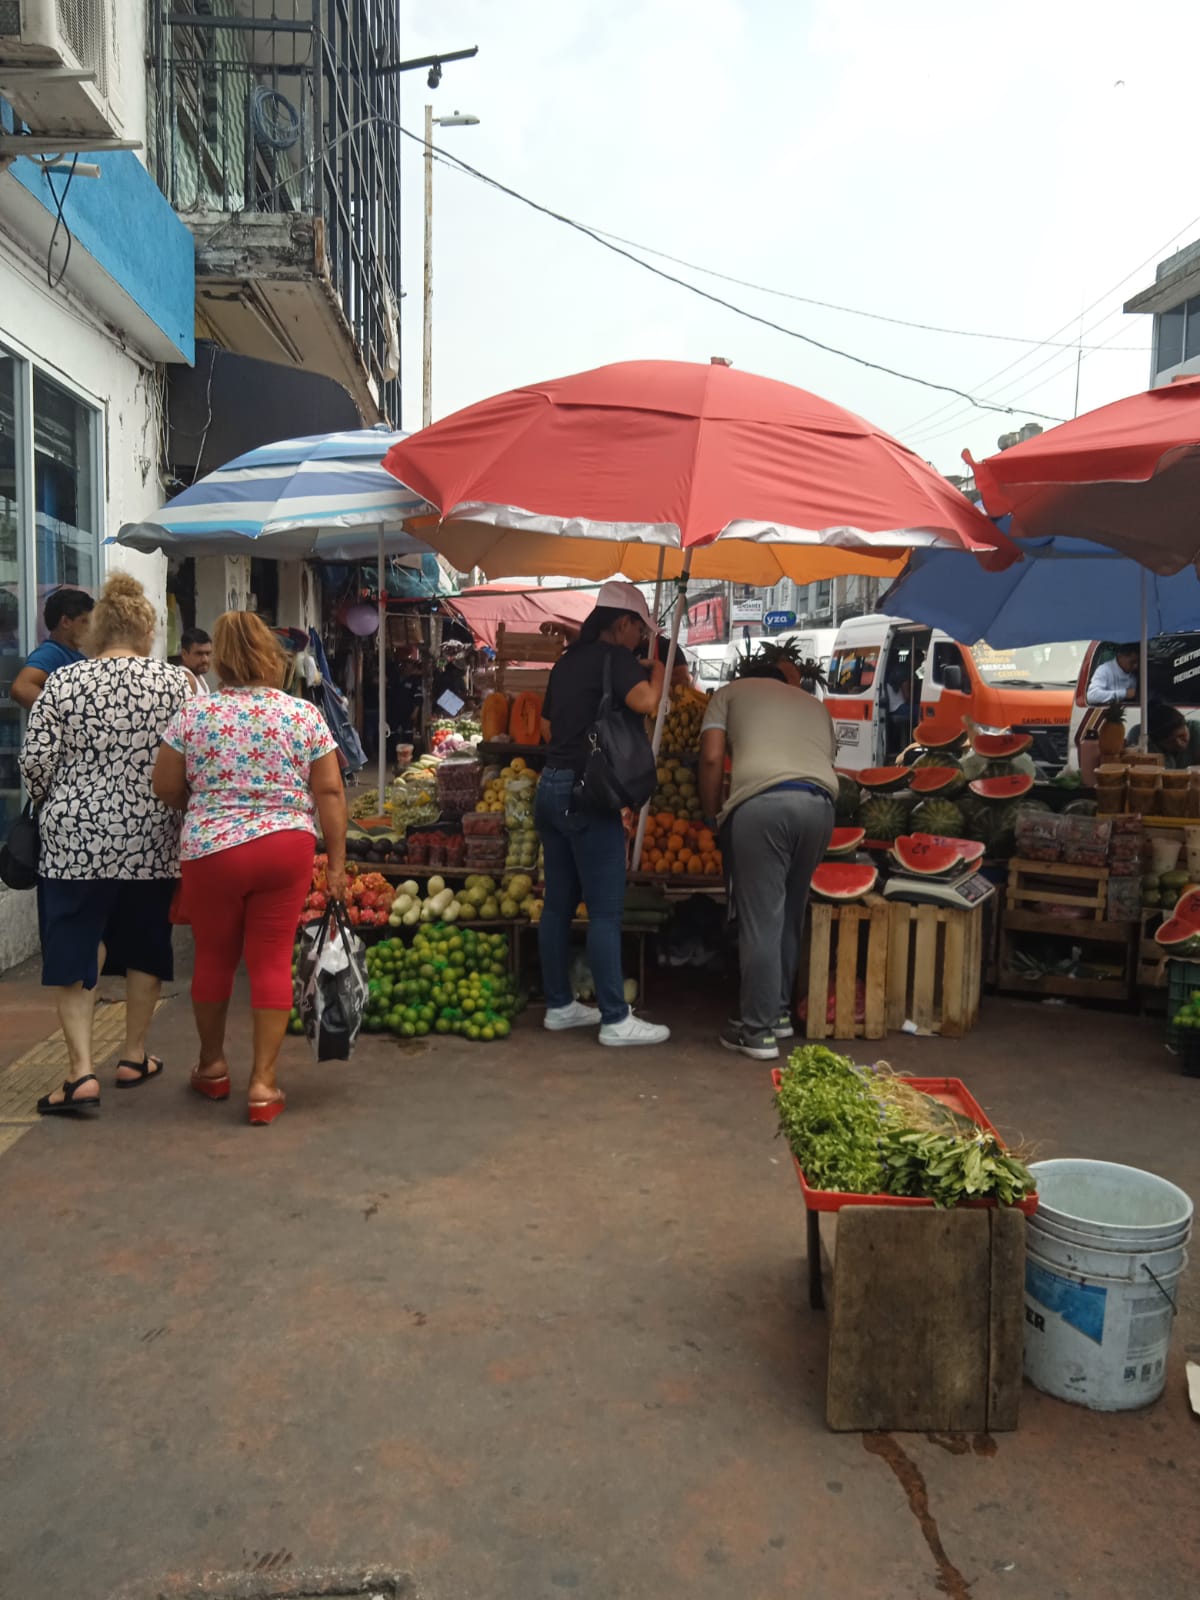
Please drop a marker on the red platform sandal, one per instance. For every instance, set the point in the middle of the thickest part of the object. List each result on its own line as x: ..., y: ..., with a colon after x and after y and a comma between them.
x: 210, y: 1088
x: 264, y: 1111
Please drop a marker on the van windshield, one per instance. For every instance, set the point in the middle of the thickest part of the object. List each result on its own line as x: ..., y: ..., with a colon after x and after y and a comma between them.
x: 1033, y: 666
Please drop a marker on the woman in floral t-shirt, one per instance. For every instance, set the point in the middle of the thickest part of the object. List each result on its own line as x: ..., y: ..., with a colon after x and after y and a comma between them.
x: 248, y: 767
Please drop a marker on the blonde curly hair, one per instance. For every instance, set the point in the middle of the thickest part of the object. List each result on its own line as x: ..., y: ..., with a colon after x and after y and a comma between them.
x: 123, y: 618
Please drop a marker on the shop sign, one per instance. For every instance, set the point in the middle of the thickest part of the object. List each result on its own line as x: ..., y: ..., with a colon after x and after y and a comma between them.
x: 780, y: 619
x: 747, y: 611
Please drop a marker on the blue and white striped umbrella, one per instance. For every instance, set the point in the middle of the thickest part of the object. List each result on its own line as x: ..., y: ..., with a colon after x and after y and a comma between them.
x: 324, y: 497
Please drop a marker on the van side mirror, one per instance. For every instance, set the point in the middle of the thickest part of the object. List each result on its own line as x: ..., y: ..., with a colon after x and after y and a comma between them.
x: 954, y: 678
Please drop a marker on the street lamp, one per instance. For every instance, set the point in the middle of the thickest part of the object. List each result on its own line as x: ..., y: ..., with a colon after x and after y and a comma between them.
x: 458, y: 120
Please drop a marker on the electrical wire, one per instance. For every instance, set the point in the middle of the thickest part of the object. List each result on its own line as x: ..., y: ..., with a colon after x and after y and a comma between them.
x: 830, y: 305
x: 751, y: 316
x: 1155, y: 255
x: 60, y: 221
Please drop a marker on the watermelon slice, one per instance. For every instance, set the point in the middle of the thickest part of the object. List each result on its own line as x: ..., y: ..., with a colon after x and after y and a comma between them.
x: 843, y: 880
x: 845, y: 841
x: 1010, y: 788
x: 928, y: 741
x: 935, y: 780
x: 926, y: 854
x: 881, y: 779
x: 1000, y: 746
x: 1181, y: 931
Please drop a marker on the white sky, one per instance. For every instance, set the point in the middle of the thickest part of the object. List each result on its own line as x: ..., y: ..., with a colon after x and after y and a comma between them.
x: 980, y: 166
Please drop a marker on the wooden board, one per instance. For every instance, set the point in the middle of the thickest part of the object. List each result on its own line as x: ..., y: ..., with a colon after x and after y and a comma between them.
x: 1034, y: 884
x: 935, y: 968
x: 927, y: 1320
x: 845, y: 944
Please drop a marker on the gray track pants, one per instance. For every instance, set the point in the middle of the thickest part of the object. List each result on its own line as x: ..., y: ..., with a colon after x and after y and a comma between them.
x: 773, y: 843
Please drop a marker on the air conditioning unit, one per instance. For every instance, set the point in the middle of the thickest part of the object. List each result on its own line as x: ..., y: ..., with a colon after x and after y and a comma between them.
x: 60, y: 66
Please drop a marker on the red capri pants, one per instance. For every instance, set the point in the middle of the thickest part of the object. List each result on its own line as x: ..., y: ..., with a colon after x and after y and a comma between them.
x: 248, y: 899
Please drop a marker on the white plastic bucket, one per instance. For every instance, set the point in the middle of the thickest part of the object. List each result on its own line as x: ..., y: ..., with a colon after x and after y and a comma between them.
x: 1105, y: 1252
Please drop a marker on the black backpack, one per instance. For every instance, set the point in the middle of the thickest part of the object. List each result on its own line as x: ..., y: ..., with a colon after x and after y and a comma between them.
x: 619, y: 770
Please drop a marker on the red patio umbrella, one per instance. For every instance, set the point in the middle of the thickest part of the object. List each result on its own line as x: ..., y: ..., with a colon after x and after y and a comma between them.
x: 606, y: 471
x: 1126, y: 475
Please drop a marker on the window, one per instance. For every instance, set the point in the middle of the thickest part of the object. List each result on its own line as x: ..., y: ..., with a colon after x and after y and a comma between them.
x: 49, y: 526
x: 949, y: 655
x: 1177, y: 335
x: 853, y: 671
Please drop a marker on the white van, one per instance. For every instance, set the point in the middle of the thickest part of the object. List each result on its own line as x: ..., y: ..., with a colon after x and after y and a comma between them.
x: 892, y: 681
x: 814, y: 644
x: 709, y: 665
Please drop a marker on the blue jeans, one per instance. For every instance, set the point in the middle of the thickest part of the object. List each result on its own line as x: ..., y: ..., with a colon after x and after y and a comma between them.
x: 585, y: 860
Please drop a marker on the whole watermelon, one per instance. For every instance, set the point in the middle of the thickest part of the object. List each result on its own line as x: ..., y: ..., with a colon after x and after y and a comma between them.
x: 846, y: 806
x: 938, y: 816
x: 884, y: 816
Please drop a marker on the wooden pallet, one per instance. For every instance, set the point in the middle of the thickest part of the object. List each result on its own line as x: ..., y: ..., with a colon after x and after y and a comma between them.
x: 846, y: 943
x: 1036, y: 885
x: 935, y: 968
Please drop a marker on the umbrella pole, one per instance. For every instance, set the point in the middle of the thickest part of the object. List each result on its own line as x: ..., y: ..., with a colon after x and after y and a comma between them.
x: 1144, y: 675
x: 382, y: 652
x: 660, y: 719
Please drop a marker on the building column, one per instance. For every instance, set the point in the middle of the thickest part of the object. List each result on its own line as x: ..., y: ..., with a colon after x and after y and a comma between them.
x: 299, y: 596
x: 222, y: 584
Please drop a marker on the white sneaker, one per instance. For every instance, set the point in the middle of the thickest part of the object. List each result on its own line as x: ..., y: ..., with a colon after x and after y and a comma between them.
x: 576, y: 1015
x: 632, y: 1030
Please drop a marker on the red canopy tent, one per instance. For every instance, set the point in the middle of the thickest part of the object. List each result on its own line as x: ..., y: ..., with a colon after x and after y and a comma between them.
x: 520, y: 608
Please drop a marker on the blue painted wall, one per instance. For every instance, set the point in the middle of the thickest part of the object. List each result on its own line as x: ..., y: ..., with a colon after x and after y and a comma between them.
x: 123, y: 222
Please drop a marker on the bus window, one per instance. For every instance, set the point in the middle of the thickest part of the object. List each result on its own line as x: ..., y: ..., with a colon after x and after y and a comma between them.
x: 853, y: 671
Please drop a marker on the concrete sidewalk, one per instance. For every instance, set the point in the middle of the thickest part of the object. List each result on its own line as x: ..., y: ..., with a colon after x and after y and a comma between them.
x: 527, y: 1320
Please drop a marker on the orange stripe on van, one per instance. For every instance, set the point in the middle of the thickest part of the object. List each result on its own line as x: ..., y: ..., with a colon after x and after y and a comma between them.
x: 848, y: 710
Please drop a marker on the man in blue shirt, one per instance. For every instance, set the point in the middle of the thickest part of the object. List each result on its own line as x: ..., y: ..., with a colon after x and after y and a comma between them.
x: 68, y: 616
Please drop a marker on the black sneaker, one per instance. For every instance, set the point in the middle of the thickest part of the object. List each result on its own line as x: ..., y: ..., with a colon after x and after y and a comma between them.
x: 758, y: 1046
x: 784, y: 1028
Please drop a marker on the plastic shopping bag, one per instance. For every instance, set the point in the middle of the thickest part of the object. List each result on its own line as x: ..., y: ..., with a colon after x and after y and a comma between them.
x: 331, y: 985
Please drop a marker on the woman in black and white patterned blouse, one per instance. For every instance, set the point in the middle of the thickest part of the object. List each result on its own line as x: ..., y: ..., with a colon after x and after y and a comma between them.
x: 109, y: 849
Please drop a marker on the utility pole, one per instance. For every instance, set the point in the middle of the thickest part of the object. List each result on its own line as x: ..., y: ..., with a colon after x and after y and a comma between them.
x: 427, y: 343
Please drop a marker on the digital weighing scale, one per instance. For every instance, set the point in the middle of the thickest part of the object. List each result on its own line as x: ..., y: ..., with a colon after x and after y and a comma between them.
x: 962, y: 893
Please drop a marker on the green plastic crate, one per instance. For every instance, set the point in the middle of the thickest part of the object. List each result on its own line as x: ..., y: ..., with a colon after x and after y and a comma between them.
x: 1183, y: 981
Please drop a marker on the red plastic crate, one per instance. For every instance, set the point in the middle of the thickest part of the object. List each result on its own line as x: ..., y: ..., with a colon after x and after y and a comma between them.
x: 952, y: 1092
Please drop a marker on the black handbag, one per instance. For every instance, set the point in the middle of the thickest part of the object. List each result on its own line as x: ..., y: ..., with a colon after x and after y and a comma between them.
x: 619, y: 769
x: 19, y: 855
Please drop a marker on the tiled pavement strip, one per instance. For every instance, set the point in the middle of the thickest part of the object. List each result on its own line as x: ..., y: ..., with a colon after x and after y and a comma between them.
x: 38, y: 1071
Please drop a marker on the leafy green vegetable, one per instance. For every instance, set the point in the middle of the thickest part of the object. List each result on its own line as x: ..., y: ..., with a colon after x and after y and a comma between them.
x: 859, y: 1130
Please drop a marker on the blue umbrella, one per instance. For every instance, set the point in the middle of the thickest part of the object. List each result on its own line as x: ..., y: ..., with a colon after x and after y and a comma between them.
x: 325, y: 497
x: 1063, y: 589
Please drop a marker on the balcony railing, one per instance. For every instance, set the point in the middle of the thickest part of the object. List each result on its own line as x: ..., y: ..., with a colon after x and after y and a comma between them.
x: 256, y: 115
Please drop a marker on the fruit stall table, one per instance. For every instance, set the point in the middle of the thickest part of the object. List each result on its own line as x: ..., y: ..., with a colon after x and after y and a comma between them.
x: 1068, y: 903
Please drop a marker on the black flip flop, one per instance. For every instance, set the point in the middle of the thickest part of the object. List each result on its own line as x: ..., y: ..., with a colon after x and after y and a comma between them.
x: 151, y: 1067
x: 69, y: 1104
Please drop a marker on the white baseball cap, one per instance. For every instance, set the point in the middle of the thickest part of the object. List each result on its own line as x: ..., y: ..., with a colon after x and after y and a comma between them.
x: 618, y: 595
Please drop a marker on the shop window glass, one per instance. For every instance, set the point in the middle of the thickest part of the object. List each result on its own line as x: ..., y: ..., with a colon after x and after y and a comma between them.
x: 853, y: 671
x: 11, y: 630
x: 1191, y: 332
x: 1170, y: 338
x: 64, y: 491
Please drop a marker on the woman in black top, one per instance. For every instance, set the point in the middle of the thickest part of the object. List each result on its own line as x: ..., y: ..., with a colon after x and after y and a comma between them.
x: 585, y: 851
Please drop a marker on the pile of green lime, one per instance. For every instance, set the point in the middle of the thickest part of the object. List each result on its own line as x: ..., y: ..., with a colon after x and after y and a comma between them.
x: 449, y: 980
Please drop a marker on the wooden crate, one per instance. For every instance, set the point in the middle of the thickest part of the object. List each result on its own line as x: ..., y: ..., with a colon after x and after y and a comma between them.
x: 927, y: 1330
x: 935, y: 968
x: 1036, y: 885
x: 845, y: 944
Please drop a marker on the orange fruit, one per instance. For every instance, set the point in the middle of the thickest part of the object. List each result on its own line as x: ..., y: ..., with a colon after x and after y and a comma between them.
x: 677, y: 868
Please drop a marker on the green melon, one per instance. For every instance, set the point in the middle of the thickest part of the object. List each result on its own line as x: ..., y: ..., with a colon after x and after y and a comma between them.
x: 884, y: 816
x: 938, y: 816
x: 846, y: 806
